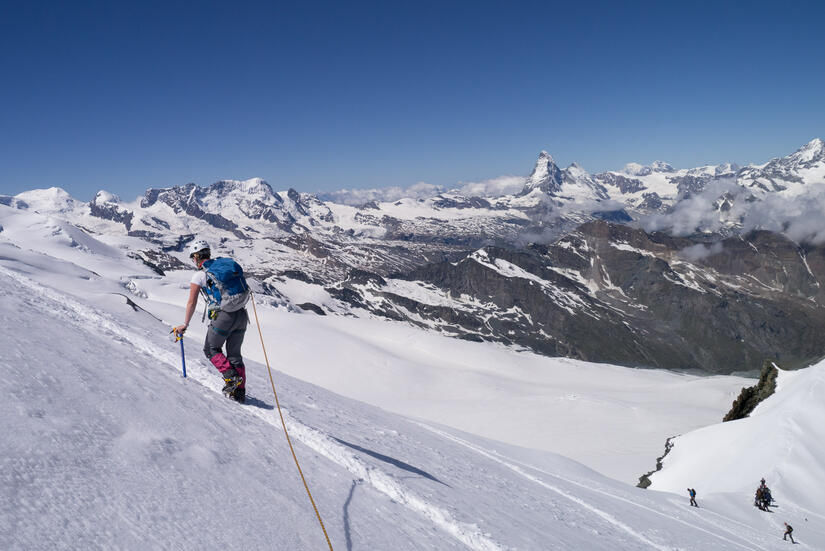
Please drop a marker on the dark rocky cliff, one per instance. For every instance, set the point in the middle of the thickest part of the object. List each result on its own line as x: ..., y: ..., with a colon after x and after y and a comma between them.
x: 611, y: 293
x: 751, y: 396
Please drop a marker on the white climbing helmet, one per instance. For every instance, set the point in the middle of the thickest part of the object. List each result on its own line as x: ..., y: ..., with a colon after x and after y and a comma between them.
x: 197, y: 246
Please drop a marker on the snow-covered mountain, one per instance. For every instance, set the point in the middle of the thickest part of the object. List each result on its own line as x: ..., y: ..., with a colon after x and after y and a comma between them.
x: 659, y: 188
x: 570, y: 256
x: 788, y: 174
x: 108, y: 447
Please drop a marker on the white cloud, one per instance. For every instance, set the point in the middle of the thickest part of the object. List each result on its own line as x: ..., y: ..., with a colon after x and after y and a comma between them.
x: 420, y: 190
x: 494, y: 187
x: 699, y: 212
x: 799, y: 217
x: 700, y: 251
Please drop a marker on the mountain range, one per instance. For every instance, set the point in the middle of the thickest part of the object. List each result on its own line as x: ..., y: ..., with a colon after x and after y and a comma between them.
x: 713, y: 268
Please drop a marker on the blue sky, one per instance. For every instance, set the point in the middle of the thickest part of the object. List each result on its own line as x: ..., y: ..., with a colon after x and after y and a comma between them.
x: 125, y: 96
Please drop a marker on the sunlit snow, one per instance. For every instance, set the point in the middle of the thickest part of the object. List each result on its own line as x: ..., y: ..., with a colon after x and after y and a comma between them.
x: 408, y: 439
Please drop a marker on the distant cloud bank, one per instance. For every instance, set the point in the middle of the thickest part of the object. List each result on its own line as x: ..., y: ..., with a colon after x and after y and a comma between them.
x: 798, y: 216
x: 357, y: 197
x: 494, y: 187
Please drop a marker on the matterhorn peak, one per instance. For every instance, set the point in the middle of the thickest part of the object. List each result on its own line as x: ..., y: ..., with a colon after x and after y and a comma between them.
x: 546, y: 175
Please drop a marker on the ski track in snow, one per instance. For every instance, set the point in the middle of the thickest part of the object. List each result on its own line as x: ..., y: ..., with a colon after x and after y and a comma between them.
x: 494, y: 457
x: 74, y: 310
x: 512, y: 465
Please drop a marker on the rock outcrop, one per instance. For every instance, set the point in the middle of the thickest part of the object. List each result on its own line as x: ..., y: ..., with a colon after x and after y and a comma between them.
x: 751, y: 396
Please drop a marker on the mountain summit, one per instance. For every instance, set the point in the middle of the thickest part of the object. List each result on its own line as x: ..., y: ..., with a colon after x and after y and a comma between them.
x: 810, y: 153
x: 546, y: 175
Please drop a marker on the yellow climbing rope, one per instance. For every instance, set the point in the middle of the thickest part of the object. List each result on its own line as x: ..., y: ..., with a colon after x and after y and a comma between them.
x: 283, y: 424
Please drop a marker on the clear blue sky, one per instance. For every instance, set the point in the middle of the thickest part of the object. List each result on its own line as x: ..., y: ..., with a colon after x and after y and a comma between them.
x: 130, y: 95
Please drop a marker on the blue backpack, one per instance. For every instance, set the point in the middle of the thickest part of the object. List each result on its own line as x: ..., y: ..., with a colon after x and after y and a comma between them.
x: 226, y: 287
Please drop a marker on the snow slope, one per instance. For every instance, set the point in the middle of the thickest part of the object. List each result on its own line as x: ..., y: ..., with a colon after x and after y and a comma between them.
x: 611, y: 418
x: 108, y: 447
x: 780, y: 437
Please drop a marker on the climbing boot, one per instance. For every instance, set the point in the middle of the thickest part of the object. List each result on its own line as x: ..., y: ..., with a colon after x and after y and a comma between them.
x: 233, y: 380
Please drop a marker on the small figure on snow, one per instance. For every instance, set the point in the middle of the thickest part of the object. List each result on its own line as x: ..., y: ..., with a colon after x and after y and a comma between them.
x: 692, y: 493
x: 222, y: 283
x: 759, y: 500
x: 788, y: 533
x: 763, y: 497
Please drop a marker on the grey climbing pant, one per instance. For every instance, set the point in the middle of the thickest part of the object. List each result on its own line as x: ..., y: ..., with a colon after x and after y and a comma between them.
x: 228, y: 328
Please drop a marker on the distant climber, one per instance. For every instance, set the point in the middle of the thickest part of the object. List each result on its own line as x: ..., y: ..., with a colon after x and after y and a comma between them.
x: 224, y: 287
x: 788, y: 533
x: 763, y: 496
x: 692, y: 493
x: 759, y: 500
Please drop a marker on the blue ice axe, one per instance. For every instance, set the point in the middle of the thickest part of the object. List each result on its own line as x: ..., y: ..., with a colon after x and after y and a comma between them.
x: 182, y: 356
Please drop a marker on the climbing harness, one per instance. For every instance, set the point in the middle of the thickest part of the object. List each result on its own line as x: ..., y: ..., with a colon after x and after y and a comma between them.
x: 283, y: 424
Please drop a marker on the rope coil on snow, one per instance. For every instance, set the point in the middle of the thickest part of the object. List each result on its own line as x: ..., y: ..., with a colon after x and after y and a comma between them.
x: 283, y: 424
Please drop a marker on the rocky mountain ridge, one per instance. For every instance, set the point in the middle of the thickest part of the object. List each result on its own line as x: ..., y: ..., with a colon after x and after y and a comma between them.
x: 563, y: 267
x: 610, y: 293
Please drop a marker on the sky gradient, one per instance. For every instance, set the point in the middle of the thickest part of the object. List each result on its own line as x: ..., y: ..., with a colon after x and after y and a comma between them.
x: 324, y: 96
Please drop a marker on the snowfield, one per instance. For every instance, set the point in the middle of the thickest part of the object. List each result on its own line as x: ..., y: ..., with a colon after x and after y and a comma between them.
x: 408, y: 439
x: 778, y: 434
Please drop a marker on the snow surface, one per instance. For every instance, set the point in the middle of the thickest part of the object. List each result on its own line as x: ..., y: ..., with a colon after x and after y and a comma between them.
x: 777, y: 434
x: 107, y: 447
